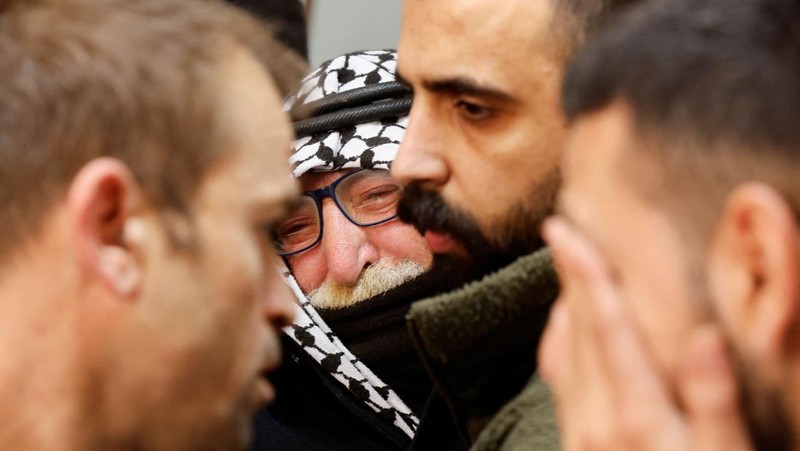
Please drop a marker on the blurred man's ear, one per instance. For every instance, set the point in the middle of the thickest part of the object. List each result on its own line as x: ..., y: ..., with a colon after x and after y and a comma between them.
x: 101, y: 199
x: 753, y: 271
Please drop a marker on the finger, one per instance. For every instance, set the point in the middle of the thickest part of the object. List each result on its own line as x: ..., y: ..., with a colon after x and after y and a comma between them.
x: 577, y: 262
x: 576, y: 273
x: 647, y: 416
x: 637, y: 401
x: 708, y: 389
x: 582, y: 271
x: 583, y: 394
x: 600, y: 323
x: 555, y: 344
x: 555, y: 368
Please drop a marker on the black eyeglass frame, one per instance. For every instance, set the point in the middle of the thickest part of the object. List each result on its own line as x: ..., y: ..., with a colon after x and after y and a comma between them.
x: 319, y: 195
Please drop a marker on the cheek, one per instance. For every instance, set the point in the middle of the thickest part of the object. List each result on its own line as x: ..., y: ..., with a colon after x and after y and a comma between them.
x: 240, y: 271
x: 516, y: 167
x: 661, y: 303
x: 662, y: 315
x: 399, y: 241
x: 235, y: 273
x: 309, y: 269
x: 648, y: 256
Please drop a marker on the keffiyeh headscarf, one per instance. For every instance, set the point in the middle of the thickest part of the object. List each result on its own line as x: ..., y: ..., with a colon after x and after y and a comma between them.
x: 348, y: 113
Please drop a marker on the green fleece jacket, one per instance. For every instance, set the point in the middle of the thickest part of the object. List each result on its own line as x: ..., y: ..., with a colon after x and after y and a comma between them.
x: 479, y: 344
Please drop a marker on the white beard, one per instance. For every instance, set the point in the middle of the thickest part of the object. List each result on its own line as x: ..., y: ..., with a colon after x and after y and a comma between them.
x: 378, y: 278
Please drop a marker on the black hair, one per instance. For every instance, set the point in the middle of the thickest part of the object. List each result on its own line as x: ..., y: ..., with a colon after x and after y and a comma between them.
x: 709, y: 70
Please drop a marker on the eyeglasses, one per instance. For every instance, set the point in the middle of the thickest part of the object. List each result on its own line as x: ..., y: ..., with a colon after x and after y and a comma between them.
x: 366, y: 197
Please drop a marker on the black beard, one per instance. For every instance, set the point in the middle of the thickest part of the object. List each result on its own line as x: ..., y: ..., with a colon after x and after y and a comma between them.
x: 518, y: 236
x: 763, y: 406
x: 766, y: 414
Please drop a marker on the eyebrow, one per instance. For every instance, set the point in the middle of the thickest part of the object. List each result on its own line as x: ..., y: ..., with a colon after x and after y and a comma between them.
x: 467, y: 86
x: 462, y: 86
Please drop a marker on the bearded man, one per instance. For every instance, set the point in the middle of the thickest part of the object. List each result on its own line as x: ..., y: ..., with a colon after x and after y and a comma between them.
x: 480, y: 165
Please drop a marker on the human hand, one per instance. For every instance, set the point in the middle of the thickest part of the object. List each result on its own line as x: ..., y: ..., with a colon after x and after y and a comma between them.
x: 608, y: 392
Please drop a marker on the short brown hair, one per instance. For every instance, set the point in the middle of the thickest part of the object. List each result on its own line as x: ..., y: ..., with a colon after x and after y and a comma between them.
x: 130, y: 79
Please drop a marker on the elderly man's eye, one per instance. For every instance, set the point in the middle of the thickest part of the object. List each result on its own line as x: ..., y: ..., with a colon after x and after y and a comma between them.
x: 294, y: 228
x: 386, y: 193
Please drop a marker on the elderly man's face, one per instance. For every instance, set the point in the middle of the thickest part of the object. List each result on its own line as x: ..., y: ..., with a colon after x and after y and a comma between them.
x: 479, y: 159
x: 205, y: 330
x: 352, y: 263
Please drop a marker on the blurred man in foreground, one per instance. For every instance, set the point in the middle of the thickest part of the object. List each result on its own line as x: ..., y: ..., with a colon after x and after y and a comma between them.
x: 678, y: 243
x: 141, y: 160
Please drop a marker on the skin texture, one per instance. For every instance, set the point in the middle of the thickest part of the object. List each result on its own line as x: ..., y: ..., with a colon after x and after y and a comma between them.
x: 153, y: 347
x: 347, y: 249
x: 485, y: 131
x: 653, y: 274
x: 608, y: 392
x: 659, y: 342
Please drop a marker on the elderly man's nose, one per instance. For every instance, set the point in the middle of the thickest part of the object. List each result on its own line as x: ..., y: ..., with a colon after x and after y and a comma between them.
x: 346, y: 247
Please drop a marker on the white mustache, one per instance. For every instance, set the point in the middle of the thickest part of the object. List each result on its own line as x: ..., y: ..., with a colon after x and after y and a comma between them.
x: 377, y: 278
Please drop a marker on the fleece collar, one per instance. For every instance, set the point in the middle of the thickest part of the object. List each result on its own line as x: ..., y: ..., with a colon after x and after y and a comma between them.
x: 479, y: 342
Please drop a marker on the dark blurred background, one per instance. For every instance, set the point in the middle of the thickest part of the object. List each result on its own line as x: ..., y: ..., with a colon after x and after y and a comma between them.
x: 335, y: 26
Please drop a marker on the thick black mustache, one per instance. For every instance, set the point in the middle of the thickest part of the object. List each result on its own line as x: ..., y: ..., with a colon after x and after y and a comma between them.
x: 426, y: 210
